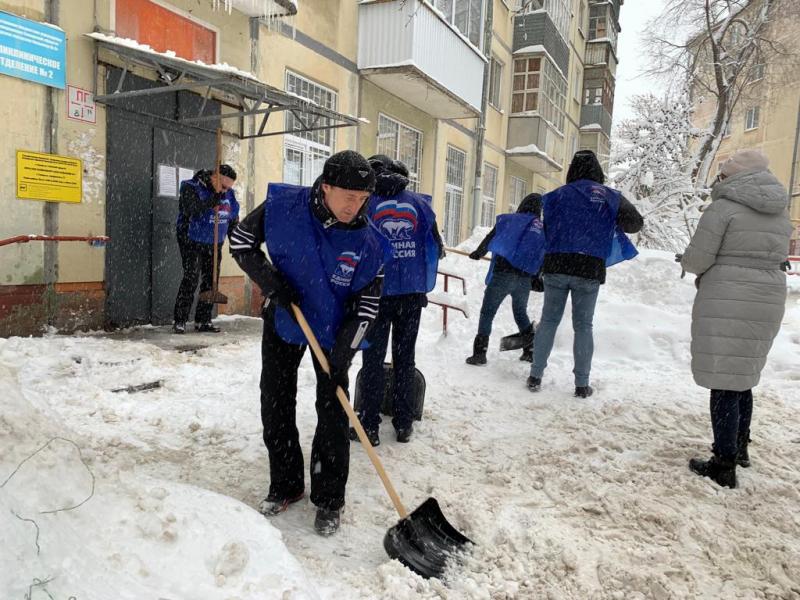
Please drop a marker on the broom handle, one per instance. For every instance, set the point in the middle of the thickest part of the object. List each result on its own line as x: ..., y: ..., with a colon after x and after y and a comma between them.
x: 462, y: 253
x: 215, y: 286
x: 345, y: 402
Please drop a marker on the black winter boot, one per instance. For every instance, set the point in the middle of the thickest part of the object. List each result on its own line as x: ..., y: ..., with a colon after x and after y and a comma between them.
x: 479, y: 348
x: 742, y: 455
x: 527, y: 349
x: 720, y: 470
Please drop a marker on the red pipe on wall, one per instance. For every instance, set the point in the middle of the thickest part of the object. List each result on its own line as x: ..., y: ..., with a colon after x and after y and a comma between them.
x: 23, y: 239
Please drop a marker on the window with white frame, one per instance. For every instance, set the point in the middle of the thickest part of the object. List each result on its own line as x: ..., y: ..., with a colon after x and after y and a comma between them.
x: 592, y: 96
x: 577, y: 83
x: 757, y: 72
x: 454, y: 194
x: 539, y: 87
x: 401, y: 142
x: 489, y: 203
x: 753, y: 118
x: 582, y: 15
x: 517, y: 190
x: 464, y: 15
x: 304, y: 152
x: 495, y: 82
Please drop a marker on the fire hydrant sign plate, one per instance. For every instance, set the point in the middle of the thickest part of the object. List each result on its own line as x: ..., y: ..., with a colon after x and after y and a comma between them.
x: 80, y: 105
x: 48, y: 177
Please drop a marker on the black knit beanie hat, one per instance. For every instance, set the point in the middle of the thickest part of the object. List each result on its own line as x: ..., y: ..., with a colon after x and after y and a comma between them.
x: 348, y: 170
x: 585, y: 165
x: 227, y: 171
x: 532, y: 203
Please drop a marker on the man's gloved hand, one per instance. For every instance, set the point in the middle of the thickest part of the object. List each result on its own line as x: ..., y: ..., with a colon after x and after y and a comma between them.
x: 537, y: 283
x: 338, y: 377
x: 283, y: 294
x: 442, y: 253
x: 697, y: 281
x: 678, y: 258
x: 475, y: 255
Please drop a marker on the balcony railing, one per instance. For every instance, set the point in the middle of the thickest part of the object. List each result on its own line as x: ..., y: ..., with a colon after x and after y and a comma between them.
x: 410, y: 50
x: 596, y: 114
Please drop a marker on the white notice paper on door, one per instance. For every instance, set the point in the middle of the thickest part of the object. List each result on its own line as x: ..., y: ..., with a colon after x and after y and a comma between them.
x: 184, y: 174
x: 167, y: 183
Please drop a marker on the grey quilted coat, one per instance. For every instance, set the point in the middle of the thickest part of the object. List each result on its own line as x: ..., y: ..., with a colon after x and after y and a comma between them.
x: 738, y: 248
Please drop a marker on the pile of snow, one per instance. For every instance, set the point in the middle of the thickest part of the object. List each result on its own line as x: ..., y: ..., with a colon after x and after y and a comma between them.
x: 565, y: 498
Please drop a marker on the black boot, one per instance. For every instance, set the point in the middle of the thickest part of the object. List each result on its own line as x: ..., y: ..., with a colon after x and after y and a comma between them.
x: 720, y: 470
x: 327, y: 521
x: 479, y: 348
x: 527, y: 349
x: 742, y: 455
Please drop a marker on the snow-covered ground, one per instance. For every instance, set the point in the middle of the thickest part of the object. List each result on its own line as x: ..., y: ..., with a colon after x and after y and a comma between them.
x: 565, y: 498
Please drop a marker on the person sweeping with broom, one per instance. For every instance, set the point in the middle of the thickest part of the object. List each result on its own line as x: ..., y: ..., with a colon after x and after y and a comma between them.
x: 327, y: 259
x: 206, y: 208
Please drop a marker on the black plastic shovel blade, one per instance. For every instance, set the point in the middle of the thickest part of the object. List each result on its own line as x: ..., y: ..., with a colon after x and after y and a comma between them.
x: 513, y: 342
x: 424, y: 541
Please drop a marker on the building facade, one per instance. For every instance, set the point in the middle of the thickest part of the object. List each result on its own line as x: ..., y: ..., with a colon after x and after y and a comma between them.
x: 767, y: 116
x: 289, y: 83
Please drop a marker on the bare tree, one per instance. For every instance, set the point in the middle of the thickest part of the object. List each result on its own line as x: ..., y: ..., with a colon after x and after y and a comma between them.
x: 717, y: 48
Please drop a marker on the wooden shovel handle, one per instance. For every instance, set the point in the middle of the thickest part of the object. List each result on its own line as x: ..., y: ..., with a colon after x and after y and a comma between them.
x: 343, y: 400
x: 462, y: 253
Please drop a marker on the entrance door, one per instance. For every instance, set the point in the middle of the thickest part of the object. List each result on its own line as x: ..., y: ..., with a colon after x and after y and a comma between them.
x: 174, y: 152
x: 143, y: 265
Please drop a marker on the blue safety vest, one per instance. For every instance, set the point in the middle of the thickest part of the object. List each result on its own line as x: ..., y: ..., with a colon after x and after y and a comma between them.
x: 519, y: 238
x: 581, y: 218
x: 326, y: 266
x: 406, y: 220
x: 201, y: 227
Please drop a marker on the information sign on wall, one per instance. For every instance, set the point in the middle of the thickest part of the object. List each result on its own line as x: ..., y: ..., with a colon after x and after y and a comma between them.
x: 33, y: 51
x: 48, y: 177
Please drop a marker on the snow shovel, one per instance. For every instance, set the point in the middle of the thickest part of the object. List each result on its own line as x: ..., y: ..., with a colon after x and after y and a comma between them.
x: 214, y: 296
x: 387, y: 404
x: 515, y: 341
x: 423, y: 540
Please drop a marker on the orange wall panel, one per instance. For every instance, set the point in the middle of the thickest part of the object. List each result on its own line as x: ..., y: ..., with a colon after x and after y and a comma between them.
x: 162, y: 30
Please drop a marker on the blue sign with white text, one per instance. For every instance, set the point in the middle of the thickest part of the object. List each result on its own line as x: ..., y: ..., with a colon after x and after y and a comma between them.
x: 32, y: 50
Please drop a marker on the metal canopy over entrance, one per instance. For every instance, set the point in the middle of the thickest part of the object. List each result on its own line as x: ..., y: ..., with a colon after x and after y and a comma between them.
x: 240, y: 93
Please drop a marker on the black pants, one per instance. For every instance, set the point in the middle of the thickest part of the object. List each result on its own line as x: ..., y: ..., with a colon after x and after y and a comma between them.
x: 730, y: 419
x: 401, y: 315
x: 330, y: 450
x: 197, y: 260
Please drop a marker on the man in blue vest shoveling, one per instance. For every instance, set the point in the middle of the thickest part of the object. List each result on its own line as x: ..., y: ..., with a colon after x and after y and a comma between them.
x: 585, y: 224
x: 327, y: 259
x: 200, y: 197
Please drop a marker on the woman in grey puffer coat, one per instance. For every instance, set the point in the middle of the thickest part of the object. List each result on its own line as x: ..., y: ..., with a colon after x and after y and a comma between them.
x: 737, y: 252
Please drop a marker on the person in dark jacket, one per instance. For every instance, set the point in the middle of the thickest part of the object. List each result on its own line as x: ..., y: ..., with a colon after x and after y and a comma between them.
x: 201, y: 197
x: 407, y: 220
x: 328, y: 260
x: 584, y: 224
x: 505, y: 279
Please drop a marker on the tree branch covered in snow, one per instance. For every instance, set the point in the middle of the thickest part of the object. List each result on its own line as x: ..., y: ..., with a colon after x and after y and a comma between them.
x: 716, y: 45
x: 650, y: 164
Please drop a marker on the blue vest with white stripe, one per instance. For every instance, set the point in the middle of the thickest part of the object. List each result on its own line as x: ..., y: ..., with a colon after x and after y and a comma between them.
x: 326, y: 266
x: 581, y: 218
x: 406, y: 220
